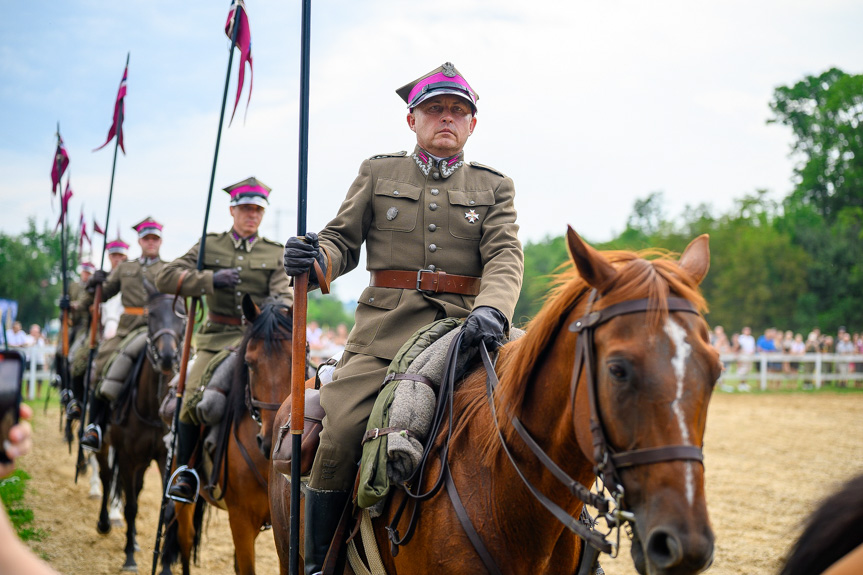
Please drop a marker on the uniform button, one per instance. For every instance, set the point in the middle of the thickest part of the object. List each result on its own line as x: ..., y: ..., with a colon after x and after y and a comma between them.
x: 238, y: 307
x: 432, y: 227
x: 436, y: 176
x: 431, y: 268
x: 432, y: 248
x: 239, y: 293
x: 217, y: 260
x: 432, y: 206
x: 239, y: 257
x: 371, y: 299
x: 395, y: 192
x: 472, y: 202
x: 435, y: 192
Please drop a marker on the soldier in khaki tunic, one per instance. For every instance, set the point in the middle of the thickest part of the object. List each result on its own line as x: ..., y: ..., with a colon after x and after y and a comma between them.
x: 128, y: 280
x: 236, y: 262
x: 79, y: 319
x: 442, y: 241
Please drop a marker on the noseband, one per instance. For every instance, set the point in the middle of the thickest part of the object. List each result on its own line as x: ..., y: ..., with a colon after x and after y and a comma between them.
x: 153, y: 352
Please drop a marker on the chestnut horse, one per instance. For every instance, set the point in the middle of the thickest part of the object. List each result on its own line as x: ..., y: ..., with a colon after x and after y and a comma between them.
x: 137, y: 432
x: 261, y: 383
x: 612, y: 379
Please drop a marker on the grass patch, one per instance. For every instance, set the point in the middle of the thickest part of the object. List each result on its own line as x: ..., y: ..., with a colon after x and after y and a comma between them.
x: 12, y: 491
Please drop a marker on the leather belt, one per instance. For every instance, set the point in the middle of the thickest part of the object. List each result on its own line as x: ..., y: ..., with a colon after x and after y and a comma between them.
x: 225, y: 319
x: 426, y: 280
x: 135, y: 311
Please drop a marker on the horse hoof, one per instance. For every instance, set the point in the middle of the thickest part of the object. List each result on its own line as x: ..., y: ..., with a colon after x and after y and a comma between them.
x: 116, y: 522
x: 131, y: 567
x: 103, y: 528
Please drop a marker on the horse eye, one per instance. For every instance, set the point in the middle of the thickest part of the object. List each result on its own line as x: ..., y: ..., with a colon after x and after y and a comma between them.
x: 617, y: 371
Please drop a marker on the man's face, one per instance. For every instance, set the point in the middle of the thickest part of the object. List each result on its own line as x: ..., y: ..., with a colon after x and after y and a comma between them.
x: 442, y: 124
x: 116, y: 259
x: 150, y: 245
x: 85, y: 276
x: 16, y: 327
x: 247, y: 219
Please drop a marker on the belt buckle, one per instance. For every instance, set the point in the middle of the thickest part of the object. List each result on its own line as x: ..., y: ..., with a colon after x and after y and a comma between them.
x: 419, y: 280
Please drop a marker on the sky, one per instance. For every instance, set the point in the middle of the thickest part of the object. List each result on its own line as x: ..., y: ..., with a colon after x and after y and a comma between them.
x: 588, y: 106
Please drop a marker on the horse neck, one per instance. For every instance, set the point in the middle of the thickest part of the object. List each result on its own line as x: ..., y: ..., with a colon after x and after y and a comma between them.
x: 147, y: 401
x: 547, y: 413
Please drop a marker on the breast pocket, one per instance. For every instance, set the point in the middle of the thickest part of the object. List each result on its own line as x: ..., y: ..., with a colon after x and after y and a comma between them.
x: 467, y: 212
x: 396, y: 205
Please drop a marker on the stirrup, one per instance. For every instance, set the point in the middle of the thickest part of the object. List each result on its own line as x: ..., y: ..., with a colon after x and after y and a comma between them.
x: 93, y: 428
x: 73, y: 409
x: 191, y: 471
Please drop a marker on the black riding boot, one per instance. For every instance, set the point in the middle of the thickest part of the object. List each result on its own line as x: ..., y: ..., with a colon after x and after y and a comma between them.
x: 92, y: 438
x: 323, y: 511
x: 186, y: 483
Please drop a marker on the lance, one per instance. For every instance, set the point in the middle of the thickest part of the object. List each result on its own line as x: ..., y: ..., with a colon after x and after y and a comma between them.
x: 191, y: 311
x: 301, y: 282
x: 65, y: 382
x: 95, y: 319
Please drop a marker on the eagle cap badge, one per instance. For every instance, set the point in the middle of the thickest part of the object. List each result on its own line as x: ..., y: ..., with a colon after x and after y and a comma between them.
x: 448, y: 70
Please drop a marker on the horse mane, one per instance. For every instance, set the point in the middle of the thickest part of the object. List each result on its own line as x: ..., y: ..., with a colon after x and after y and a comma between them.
x: 653, y: 274
x: 271, y: 325
x: 831, y: 532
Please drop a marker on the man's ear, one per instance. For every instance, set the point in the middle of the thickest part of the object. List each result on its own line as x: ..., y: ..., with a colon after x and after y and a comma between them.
x: 411, y: 122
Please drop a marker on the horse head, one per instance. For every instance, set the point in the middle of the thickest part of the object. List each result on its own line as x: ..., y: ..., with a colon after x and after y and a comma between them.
x: 165, y: 321
x: 641, y: 396
x: 267, y: 355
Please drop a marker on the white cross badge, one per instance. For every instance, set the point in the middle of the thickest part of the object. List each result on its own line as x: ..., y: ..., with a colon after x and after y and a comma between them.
x: 471, y: 216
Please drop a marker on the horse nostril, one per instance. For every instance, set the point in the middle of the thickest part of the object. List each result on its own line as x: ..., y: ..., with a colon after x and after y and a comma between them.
x: 263, y: 446
x: 664, y: 548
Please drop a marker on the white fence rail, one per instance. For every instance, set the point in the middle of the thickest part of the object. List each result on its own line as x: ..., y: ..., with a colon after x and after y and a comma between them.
x: 809, y: 368
x: 40, y: 368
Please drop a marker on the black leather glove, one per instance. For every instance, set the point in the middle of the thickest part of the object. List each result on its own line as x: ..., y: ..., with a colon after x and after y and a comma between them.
x: 98, y: 277
x: 300, y: 254
x: 226, y: 278
x: 64, y: 302
x: 483, y: 324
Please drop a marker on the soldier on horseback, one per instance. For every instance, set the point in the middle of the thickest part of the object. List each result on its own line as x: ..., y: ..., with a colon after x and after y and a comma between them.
x: 236, y: 262
x: 79, y: 319
x: 441, y: 240
x: 128, y: 279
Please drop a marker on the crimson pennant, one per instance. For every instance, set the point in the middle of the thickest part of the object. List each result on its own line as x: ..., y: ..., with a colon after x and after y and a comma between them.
x: 64, y: 203
x: 61, y: 162
x: 119, y: 114
x: 238, y: 16
x: 97, y: 229
x: 82, y: 223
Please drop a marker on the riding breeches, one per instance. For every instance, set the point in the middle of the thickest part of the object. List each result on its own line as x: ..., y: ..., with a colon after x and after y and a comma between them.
x: 194, y: 390
x: 347, y: 402
x: 106, y: 349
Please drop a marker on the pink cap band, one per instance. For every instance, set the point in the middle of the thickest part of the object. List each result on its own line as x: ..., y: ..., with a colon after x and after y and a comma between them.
x: 249, y: 190
x: 440, y: 77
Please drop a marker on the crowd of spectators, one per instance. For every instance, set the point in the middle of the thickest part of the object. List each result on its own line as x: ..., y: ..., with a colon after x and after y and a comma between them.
x: 788, y: 343
x: 325, y: 342
x: 32, y: 344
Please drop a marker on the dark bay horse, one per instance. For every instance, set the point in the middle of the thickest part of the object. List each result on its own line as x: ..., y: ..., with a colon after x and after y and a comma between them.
x: 137, y: 432
x: 261, y: 384
x: 613, y: 377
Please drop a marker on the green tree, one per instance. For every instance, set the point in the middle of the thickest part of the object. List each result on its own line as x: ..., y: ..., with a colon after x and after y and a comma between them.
x: 327, y: 310
x: 30, y: 272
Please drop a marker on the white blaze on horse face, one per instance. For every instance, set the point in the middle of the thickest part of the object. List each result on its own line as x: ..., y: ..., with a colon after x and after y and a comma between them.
x: 677, y: 335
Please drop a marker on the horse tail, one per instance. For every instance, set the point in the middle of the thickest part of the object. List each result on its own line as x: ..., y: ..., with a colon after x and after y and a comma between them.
x: 171, y: 544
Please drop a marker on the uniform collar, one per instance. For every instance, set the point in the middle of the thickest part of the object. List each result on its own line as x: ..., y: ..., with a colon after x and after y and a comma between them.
x: 147, y: 261
x: 243, y: 243
x: 437, y: 167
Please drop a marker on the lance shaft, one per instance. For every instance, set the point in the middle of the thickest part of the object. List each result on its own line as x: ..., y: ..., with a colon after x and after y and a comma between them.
x: 298, y: 346
x: 191, y: 312
x: 95, y: 319
x: 64, y: 307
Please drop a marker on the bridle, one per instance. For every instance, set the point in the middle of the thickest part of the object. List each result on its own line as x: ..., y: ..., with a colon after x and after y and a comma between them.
x: 152, y: 350
x: 607, y: 460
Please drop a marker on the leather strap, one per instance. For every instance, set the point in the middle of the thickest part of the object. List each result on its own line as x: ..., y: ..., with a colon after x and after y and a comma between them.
x: 426, y: 280
x: 135, y: 310
x: 224, y: 319
x: 378, y: 431
x: 408, y: 377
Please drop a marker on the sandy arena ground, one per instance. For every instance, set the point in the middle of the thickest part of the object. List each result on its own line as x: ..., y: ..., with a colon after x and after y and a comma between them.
x: 770, y: 458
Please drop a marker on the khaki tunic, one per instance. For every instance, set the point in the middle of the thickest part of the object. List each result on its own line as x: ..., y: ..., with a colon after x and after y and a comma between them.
x: 412, y: 213
x: 126, y: 279
x: 261, y: 276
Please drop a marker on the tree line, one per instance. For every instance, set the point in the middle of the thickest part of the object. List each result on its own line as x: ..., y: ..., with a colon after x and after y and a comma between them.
x: 795, y: 263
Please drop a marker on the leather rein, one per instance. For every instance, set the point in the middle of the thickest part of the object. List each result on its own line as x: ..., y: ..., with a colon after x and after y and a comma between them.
x: 607, y: 460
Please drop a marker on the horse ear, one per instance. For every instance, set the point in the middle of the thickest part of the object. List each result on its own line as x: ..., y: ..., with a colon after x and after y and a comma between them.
x: 593, y: 268
x: 696, y: 258
x: 250, y: 309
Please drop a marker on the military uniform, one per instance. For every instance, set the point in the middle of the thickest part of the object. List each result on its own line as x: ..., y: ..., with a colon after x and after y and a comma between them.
x: 126, y: 279
x: 414, y: 213
x: 258, y: 261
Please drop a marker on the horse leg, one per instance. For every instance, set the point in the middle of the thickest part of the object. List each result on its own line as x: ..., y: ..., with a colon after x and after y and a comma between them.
x: 95, y: 486
x: 132, y: 487
x: 106, y: 473
x: 244, y: 531
x: 185, y: 532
